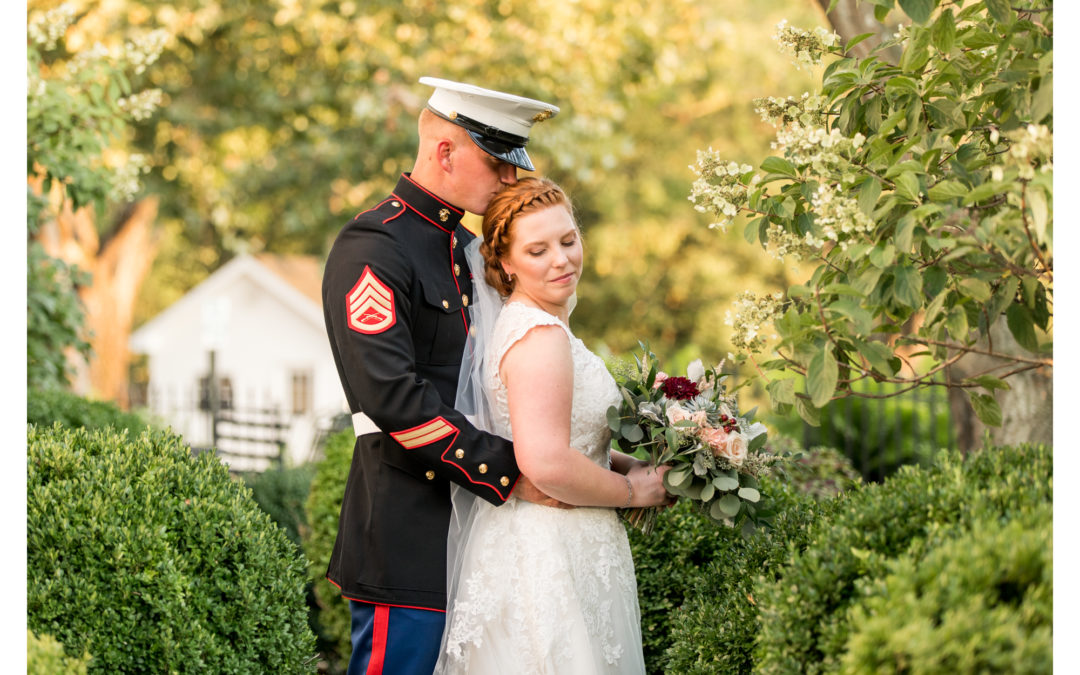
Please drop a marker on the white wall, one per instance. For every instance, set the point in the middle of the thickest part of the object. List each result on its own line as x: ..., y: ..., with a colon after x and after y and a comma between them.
x: 264, y: 342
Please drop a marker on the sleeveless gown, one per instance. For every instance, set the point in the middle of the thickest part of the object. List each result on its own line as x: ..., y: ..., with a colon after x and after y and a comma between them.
x: 546, y: 590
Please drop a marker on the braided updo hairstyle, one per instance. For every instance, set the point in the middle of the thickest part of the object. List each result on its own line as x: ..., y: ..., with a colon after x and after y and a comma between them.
x: 525, y: 196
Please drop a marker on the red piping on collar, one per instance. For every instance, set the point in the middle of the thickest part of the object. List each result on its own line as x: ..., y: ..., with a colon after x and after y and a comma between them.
x: 433, y: 196
x: 417, y: 212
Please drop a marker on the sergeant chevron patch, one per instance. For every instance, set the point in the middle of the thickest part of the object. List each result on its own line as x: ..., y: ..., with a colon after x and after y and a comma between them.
x: 370, y: 305
x: 429, y: 432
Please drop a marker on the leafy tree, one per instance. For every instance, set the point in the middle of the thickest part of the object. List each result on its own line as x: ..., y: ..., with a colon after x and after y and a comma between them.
x: 78, y: 107
x: 281, y: 121
x: 920, y: 194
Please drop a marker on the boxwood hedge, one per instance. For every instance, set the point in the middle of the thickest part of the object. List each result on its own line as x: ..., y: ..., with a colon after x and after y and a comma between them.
x: 805, y: 615
x: 323, y: 509
x: 154, y: 561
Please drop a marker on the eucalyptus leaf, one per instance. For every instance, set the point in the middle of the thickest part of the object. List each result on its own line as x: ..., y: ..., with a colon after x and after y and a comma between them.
x: 749, y: 494
x: 707, y: 492
x: 730, y: 505
x: 613, y: 419
x: 725, y: 483
x: 631, y: 432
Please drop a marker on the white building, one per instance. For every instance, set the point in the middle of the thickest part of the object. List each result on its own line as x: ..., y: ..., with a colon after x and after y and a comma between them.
x: 259, y: 318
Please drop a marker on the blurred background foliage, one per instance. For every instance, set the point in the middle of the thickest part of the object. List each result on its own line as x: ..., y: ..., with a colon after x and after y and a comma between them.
x: 282, y: 119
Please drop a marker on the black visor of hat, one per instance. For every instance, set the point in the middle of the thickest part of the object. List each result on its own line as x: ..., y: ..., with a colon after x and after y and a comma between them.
x: 503, y: 145
x: 511, y: 154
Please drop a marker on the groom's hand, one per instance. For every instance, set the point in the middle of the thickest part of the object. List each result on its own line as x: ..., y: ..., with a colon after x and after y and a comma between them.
x: 525, y: 490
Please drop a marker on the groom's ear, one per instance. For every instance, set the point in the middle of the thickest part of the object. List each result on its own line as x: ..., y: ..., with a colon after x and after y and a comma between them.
x: 444, y: 153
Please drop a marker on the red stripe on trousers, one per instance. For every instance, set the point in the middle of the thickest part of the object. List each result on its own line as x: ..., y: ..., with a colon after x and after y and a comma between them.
x: 378, y: 640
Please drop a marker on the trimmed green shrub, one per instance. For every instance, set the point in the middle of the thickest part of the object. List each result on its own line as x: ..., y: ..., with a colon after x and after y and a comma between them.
x: 981, y: 602
x: 282, y: 493
x: 667, y: 563
x: 157, y: 561
x: 323, y: 509
x: 43, y: 407
x: 821, y: 472
x: 804, y: 614
x: 715, y: 630
x: 46, y: 656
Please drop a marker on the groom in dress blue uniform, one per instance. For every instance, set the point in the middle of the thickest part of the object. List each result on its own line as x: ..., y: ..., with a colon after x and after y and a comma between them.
x: 395, y: 296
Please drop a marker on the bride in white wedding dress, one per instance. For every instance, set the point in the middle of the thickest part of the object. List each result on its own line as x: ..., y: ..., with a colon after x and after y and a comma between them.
x: 536, y: 589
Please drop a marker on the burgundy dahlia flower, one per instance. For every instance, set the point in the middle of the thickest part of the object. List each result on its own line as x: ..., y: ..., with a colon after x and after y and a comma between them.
x: 679, y: 388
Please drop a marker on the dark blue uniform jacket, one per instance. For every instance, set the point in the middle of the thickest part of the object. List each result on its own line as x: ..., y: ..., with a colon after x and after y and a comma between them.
x: 395, y: 294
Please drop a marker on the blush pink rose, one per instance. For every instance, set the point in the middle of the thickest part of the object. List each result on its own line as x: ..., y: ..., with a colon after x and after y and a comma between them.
x: 716, y: 439
x: 676, y: 414
x: 660, y: 377
x: 736, y: 448
x: 700, y: 418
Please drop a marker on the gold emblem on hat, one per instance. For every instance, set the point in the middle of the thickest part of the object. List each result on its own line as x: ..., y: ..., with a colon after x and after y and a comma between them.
x: 453, y: 115
x: 541, y: 116
x: 443, y: 215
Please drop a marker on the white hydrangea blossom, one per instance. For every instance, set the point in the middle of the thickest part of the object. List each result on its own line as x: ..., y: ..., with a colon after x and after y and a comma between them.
x: 824, y: 152
x: 91, y: 57
x: 126, y: 183
x: 144, y: 50
x: 839, y: 218
x: 719, y: 188
x: 47, y: 29
x: 751, y: 314
x: 1033, y: 145
x: 782, y: 244
x: 807, y: 111
x: 141, y: 105
x: 804, y: 46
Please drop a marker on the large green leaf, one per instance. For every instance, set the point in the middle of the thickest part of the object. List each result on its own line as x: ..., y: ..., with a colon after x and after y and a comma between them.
x: 778, y: 165
x: 1022, y: 326
x: 781, y: 391
x: 943, y: 34
x: 918, y: 10
x: 1000, y: 10
x: 821, y: 377
x: 986, y: 409
x: 907, y: 286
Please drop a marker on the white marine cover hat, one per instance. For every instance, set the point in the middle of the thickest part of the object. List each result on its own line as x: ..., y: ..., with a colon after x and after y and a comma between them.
x: 497, y: 122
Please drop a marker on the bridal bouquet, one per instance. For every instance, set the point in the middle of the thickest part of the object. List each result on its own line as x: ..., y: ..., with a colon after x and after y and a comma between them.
x: 692, y: 424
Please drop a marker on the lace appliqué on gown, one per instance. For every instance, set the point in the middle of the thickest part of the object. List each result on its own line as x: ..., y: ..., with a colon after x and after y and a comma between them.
x: 547, y: 590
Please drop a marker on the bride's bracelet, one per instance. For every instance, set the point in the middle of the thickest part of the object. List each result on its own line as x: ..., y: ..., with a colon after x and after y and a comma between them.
x: 629, y: 492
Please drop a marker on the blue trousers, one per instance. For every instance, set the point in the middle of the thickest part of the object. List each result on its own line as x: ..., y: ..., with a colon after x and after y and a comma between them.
x: 394, y: 640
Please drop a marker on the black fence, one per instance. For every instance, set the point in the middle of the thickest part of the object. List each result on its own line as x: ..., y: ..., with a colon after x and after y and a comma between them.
x: 246, y: 431
x: 879, y: 432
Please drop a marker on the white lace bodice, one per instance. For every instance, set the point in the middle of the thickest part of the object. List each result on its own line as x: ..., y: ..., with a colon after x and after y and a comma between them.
x: 594, y: 388
x: 542, y: 590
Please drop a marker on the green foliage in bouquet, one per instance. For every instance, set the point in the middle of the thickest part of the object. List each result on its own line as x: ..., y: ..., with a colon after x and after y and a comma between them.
x: 46, y: 656
x: 693, y: 424
x: 323, y: 509
x: 806, y: 615
x: 45, y: 406
x: 715, y: 629
x: 921, y: 195
x: 156, y: 561
x: 994, y: 582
